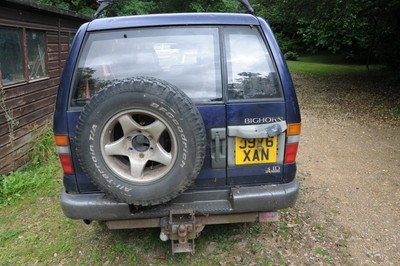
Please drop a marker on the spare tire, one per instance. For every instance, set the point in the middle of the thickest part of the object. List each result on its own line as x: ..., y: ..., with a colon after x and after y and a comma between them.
x: 141, y: 141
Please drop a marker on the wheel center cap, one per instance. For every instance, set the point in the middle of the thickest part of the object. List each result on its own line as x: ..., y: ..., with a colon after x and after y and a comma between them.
x: 141, y: 143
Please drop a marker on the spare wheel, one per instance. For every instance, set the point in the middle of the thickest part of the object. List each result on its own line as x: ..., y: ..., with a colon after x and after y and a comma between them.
x: 141, y: 141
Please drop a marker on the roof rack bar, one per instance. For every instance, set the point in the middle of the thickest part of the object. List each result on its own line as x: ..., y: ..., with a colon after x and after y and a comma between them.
x: 105, y: 3
x: 247, y: 6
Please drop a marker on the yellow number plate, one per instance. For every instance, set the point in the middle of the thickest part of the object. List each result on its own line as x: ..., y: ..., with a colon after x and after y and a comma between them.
x: 255, y: 151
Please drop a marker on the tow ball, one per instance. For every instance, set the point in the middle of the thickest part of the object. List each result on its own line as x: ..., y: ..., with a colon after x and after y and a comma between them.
x: 181, y: 230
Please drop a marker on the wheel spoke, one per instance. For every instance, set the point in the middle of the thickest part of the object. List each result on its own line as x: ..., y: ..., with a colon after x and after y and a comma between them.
x: 137, y: 167
x: 116, y: 148
x: 128, y: 124
x: 155, y: 129
x: 140, y: 144
x: 161, y: 156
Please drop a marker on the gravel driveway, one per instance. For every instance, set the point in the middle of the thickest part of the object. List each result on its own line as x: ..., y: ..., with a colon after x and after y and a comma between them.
x: 349, y: 166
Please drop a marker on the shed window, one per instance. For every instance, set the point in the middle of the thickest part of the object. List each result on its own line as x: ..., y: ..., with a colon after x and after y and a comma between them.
x: 11, y: 56
x: 36, y: 45
x: 22, y: 55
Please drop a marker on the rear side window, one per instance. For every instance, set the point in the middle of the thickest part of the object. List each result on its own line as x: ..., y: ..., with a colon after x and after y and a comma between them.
x: 187, y: 57
x: 251, y: 71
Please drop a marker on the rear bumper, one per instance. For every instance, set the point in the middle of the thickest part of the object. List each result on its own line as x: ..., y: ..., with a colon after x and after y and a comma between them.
x: 202, y: 202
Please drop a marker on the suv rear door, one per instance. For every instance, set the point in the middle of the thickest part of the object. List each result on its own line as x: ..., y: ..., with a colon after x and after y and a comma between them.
x: 255, y: 109
x: 189, y: 57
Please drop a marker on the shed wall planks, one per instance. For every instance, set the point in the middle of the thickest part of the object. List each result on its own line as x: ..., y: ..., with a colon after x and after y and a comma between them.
x: 28, y: 106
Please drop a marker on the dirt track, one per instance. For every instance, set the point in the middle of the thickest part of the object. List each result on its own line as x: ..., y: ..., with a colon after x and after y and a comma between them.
x: 349, y: 166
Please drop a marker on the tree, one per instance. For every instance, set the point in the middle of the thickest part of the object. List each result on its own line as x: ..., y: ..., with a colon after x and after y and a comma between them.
x: 86, y: 7
x: 129, y: 7
x: 366, y: 30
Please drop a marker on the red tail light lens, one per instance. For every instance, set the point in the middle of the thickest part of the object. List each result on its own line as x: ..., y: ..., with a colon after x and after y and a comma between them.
x: 64, y: 153
x: 292, y: 142
x: 291, y: 152
x: 66, y: 163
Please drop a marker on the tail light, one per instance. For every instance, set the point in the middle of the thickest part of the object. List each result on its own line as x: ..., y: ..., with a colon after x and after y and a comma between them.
x: 64, y: 153
x: 292, y: 143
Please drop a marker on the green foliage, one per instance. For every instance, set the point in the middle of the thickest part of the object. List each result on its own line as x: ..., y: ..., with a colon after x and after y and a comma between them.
x: 86, y: 7
x: 43, y: 147
x: 38, y: 175
x: 334, y: 25
x: 287, y: 44
x: 128, y: 7
x: 292, y: 56
x: 396, y: 111
x: 365, y: 31
x: 173, y: 6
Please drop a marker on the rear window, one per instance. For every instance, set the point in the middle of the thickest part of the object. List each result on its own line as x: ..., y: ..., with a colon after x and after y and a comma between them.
x: 251, y: 71
x: 187, y: 57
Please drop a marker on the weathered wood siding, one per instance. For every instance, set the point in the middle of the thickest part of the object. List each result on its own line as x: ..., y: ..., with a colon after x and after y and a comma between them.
x: 29, y: 105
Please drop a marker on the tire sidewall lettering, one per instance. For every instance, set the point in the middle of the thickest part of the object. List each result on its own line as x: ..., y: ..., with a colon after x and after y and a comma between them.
x: 96, y: 160
x: 175, y: 122
x: 92, y: 132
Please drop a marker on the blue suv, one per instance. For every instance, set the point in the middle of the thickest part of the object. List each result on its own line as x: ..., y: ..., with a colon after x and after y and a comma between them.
x: 177, y: 121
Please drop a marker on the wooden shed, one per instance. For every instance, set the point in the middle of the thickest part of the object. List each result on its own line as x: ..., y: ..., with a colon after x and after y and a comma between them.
x: 34, y: 44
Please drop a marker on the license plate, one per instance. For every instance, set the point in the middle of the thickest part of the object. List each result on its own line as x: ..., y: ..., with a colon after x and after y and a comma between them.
x: 256, y: 151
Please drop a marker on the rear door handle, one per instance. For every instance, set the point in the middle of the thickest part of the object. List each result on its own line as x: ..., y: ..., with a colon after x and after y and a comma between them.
x: 218, y: 148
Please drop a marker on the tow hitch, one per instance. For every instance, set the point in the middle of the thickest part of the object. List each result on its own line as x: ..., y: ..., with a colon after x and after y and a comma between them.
x: 182, y: 230
x: 182, y: 227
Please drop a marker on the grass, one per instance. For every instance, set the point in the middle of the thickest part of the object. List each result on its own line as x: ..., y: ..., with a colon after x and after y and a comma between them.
x: 325, y: 65
x: 396, y: 111
x: 37, y: 178
x: 323, y: 253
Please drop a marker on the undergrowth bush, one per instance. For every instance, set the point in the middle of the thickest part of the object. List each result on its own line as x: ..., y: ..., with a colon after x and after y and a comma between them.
x: 293, y: 56
x: 43, y: 148
x: 39, y: 174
